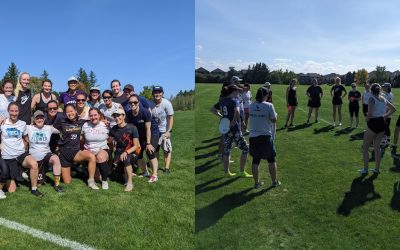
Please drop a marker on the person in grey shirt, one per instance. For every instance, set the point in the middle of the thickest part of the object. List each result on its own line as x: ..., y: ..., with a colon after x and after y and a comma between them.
x: 262, y: 135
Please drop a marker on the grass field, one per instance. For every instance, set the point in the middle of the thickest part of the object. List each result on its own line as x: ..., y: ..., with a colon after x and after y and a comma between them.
x: 154, y: 216
x: 321, y: 204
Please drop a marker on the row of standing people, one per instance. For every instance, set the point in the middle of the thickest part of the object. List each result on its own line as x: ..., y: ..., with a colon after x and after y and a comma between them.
x: 81, y: 119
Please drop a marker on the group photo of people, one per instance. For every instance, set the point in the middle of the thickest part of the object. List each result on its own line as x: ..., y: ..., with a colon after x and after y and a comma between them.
x: 110, y: 134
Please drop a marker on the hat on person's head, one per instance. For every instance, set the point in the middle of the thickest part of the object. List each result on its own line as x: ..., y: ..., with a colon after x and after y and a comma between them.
x: 38, y: 113
x: 235, y: 79
x: 354, y: 84
x: 157, y: 88
x: 119, y: 112
x: 94, y: 88
x: 267, y: 84
x: 72, y: 78
x: 129, y: 86
x: 233, y: 87
x: 387, y: 85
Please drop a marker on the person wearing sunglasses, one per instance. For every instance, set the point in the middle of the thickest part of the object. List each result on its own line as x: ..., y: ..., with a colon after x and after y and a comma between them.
x: 81, y: 108
x: 354, y: 106
x: 109, y: 107
x: 130, y: 90
x: 148, y: 135
x: 70, y: 95
x: 50, y: 117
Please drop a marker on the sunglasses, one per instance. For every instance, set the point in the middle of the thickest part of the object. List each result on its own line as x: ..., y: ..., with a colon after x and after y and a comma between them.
x: 134, y: 103
x: 50, y: 109
x: 107, y: 97
x: 80, y: 100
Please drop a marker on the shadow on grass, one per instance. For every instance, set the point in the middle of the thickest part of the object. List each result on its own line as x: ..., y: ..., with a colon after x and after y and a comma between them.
x: 395, y: 202
x: 201, y: 188
x: 206, y: 166
x: 344, y: 131
x: 211, y: 214
x: 361, y: 191
x: 357, y: 137
x: 206, y: 155
x: 323, y: 129
x: 206, y: 146
x: 301, y: 126
x: 211, y: 140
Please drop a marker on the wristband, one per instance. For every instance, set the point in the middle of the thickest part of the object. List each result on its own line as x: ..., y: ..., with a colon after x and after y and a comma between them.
x: 148, y: 143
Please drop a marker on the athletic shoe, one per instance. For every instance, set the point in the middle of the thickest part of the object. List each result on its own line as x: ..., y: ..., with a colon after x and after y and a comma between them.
x: 153, y: 178
x: 229, y: 174
x: 340, y: 124
x: 2, y: 195
x: 375, y: 171
x: 146, y: 174
x: 276, y: 183
x: 36, y: 193
x: 245, y: 174
x: 258, y: 185
x: 104, y: 185
x: 93, y: 185
x: 167, y: 172
x: 308, y: 122
x: 285, y: 125
x: 291, y: 125
x: 58, y: 189
x: 363, y: 171
x: 334, y: 124
x: 128, y: 188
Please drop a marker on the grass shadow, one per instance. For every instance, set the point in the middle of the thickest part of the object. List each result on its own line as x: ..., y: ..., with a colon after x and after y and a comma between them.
x: 323, y: 129
x: 206, y: 155
x: 357, y: 137
x: 301, y: 126
x: 203, y: 187
x: 361, y: 191
x: 211, y: 140
x: 344, y: 131
x: 211, y: 214
x: 206, y: 166
x: 206, y: 146
x: 395, y: 202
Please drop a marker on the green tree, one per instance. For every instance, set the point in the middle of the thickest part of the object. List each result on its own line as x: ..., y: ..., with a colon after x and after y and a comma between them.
x: 36, y: 84
x: 92, y: 78
x: 146, y: 92
x: 12, y: 73
x: 348, y: 79
x: 361, y: 76
x: 83, y: 80
x: 381, y: 74
x: 44, y: 75
x: 275, y: 77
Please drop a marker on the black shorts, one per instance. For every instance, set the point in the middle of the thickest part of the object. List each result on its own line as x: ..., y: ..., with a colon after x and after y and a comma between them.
x: 44, y: 166
x: 377, y: 125
x: 337, y: 101
x: 153, y: 142
x: 128, y: 161
x: 15, y: 165
x: 262, y: 147
x: 353, y: 109
x: 314, y: 103
x: 67, y: 157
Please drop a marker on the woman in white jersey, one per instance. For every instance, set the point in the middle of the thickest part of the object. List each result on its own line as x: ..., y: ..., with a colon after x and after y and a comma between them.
x: 109, y: 107
x: 6, y: 97
x: 378, y: 109
x: 262, y: 135
x: 95, y: 134
x: 13, y: 150
x: 39, y: 147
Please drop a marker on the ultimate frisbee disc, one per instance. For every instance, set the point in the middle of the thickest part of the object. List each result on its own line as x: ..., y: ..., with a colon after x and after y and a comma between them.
x: 224, y: 125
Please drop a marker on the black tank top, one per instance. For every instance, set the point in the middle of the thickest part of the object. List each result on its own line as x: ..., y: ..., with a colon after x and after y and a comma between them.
x: 25, y: 99
x: 292, y: 99
x: 42, y: 105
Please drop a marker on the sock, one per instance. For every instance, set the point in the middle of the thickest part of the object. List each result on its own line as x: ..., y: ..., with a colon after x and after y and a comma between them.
x: 56, y: 180
x: 34, y: 188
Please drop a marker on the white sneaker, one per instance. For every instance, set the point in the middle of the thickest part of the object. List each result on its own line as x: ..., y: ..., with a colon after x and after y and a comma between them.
x: 340, y: 124
x: 334, y: 124
x: 92, y: 185
x: 104, y: 185
x: 2, y: 195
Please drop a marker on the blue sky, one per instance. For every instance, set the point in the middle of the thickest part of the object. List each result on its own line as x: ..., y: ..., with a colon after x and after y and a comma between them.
x: 303, y: 36
x: 139, y: 42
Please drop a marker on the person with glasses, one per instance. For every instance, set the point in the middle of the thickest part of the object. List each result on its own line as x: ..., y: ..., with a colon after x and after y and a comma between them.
x: 94, y: 98
x: 39, y: 136
x: 24, y: 97
x: 109, y: 107
x: 148, y: 135
x: 130, y: 90
x: 70, y: 128
x: 117, y: 93
x: 126, y: 137
x: 70, y: 95
x: 40, y: 100
x: 354, y: 107
x: 81, y: 108
x: 50, y: 118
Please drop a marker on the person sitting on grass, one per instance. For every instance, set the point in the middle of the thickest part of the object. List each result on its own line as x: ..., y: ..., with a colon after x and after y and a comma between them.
x: 262, y: 135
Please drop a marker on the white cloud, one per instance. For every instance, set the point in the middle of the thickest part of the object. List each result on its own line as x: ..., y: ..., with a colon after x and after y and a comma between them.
x: 199, y: 47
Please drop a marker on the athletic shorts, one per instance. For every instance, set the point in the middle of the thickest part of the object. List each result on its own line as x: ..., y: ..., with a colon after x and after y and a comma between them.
x: 153, y: 142
x: 44, y: 166
x: 128, y: 161
x: 4, y: 171
x: 67, y: 157
x: 262, y: 147
x: 353, y: 109
x: 15, y: 165
x: 314, y: 103
x: 377, y: 125
x: 239, y: 140
x: 337, y: 101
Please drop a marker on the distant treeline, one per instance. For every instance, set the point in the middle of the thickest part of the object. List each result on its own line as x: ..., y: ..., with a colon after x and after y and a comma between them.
x: 184, y: 100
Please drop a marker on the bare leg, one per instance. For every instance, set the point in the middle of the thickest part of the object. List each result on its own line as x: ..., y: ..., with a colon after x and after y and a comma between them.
x: 334, y: 113
x: 340, y: 113
x: 309, y: 113
x: 316, y: 114
x: 167, y: 159
x: 272, y: 171
x: 31, y: 163
x: 243, y: 159
x: 66, y: 175
x: 255, y: 168
x: 292, y: 117
x: 368, y: 138
x: 11, y: 186
x: 377, y: 148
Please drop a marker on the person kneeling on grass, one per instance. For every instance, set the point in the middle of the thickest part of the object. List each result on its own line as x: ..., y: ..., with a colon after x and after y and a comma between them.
x: 262, y: 135
x: 4, y: 176
x: 126, y: 137
x: 13, y: 151
x: 70, y: 128
x: 39, y: 141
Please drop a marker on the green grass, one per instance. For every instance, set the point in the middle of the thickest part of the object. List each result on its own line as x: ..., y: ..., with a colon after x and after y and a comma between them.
x: 321, y: 204
x: 154, y: 216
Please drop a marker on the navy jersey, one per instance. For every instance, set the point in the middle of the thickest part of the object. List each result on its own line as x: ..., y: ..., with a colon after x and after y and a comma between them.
x: 140, y: 120
x: 228, y: 106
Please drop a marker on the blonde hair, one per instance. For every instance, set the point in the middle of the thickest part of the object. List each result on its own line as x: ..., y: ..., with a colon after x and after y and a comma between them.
x: 18, y: 87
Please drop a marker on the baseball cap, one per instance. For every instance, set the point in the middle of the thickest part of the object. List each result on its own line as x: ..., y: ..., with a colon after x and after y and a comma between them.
x: 94, y: 88
x: 354, y: 84
x: 72, y: 78
x: 129, y: 86
x: 119, y: 112
x: 157, y: 88
x: 37, y: 113
x: 267, y: 84
x: 387, y: 85
x: 235, y: 79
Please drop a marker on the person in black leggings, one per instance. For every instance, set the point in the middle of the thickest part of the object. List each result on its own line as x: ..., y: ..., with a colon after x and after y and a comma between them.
x: 354, y: 107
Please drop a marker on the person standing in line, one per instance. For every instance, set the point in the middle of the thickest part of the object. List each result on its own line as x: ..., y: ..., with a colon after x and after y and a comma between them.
x: 337, y: 91
x: 314, y: 93
x: 267, y: 85
x: 291, y: 102
x: 262, y: 136
x: 354, y: 97
x: 367, y: 94
x: 246, y: 96
x: 378, y: 110
x: 388, y: 94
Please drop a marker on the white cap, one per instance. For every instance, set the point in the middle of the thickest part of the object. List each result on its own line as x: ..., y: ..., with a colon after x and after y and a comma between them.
x: 72, y: 78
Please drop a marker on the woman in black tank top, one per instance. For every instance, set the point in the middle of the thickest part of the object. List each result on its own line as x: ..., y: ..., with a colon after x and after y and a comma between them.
x: 40, y: 100
x: 291, y: 102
